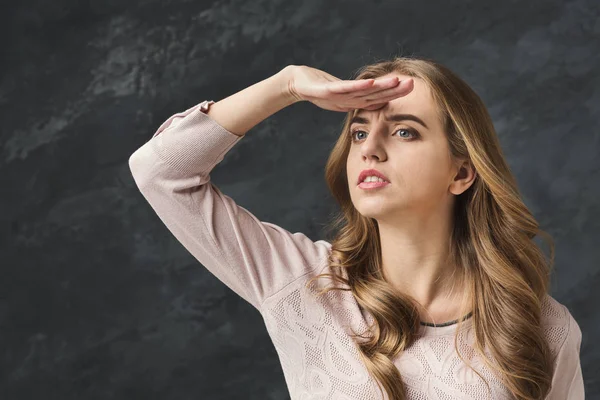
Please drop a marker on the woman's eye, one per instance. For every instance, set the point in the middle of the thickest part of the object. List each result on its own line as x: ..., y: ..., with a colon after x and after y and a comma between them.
x: 410, y: 132
x: 405, y: 133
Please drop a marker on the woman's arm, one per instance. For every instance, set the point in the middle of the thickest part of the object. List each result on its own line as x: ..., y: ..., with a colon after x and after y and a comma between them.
x: 172, y: 170
x: 255, y: 103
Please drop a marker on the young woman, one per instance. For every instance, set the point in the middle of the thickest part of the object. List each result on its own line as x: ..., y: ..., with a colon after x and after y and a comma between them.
x: 436, y: 287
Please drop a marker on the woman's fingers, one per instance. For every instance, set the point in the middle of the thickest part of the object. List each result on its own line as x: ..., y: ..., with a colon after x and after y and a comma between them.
x: 377, y: 100
x: 393, y: 92
x: 378, y: 94
x: 341, y: 87
x: 379, y: 85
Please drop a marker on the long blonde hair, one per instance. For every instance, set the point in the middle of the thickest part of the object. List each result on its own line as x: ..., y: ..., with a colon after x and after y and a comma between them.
x: 491, y: 241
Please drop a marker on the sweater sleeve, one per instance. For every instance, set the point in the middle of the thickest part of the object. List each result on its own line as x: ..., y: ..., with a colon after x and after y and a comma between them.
x: 567, y: 381
x: 172, y: 169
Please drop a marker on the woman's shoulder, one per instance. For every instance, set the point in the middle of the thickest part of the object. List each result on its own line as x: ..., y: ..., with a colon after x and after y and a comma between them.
x: 558, y: 323
x: 553, y: 312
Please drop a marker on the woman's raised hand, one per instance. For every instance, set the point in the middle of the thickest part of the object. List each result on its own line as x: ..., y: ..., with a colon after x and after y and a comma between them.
x: 333, y: 94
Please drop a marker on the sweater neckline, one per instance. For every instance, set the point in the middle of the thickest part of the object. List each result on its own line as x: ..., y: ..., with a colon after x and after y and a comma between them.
x: 446, y: 323
x: 445, y: 328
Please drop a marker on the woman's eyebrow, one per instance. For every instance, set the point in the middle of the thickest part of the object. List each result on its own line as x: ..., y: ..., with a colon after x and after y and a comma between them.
x: 393, y: 118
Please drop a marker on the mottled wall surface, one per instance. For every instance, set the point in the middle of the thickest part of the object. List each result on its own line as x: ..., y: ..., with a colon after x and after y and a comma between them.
x: 99, y: 301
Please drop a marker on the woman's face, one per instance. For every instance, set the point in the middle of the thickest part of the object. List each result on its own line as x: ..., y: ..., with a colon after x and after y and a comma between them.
x: 414, y: 157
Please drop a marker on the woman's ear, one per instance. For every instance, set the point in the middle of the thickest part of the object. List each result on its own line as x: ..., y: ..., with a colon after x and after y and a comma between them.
x: 464, y: 177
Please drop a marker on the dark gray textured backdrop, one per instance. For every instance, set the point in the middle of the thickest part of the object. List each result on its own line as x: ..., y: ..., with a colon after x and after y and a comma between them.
x: 99, y: 301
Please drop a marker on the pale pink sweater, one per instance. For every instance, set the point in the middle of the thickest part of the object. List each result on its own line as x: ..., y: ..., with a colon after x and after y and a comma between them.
x: 268, y: 267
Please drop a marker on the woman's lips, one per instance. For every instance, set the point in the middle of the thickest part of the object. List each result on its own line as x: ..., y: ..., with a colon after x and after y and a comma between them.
x: 372, y: 185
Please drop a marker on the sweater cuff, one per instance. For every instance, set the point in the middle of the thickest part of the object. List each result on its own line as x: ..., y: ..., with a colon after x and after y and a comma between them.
x: 193, y: 142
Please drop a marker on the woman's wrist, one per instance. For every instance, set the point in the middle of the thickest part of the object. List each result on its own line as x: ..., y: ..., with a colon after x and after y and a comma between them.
x: 286, y: 76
